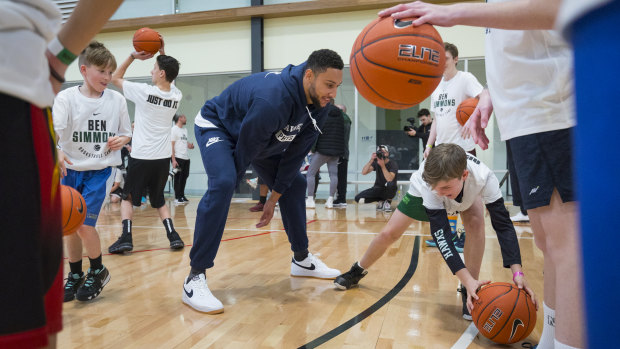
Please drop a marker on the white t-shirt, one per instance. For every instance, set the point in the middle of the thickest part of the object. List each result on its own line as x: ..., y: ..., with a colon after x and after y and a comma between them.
x: 153, y: 119
x: 444, y: 102
x: 25, y: 28
x: 480, y: 182
x: 530, y: 77
x: 179, y: 137
x: 574, y: 9
x: 83, y: 126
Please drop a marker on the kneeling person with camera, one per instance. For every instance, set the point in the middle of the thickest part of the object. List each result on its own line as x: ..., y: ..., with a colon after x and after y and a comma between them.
x: 384, y: 189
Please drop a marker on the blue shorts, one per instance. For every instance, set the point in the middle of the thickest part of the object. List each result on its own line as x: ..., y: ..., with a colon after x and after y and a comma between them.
x: 91, y: 184
x: 541, y: 163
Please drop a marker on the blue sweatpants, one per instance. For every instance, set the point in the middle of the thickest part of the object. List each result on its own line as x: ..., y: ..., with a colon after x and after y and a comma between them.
x: 217, y: 152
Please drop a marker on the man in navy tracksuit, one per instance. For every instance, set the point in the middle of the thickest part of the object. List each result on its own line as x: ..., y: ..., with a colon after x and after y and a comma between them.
x: 269, y: 120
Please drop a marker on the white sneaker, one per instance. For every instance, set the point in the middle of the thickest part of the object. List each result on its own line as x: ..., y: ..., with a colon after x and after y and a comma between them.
x: 387, y: 207
x: 362, y: 201
x: 177, y: 202
x: 197, y: 295
x: 313, y: 267
x: 310, y: 202
x: 330, y: 202
x: 253, y: 182
x: 380, y: 205
x: 520, y: 217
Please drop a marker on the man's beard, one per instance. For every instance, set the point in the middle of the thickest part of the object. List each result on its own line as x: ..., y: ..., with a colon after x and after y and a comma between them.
x: 313, y: 97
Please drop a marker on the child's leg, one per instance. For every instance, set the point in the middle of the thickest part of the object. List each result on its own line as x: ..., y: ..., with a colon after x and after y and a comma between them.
x: 73, y: 245
x: 90, y: 239
x: 473, y: 220
x: 393, y: 230
x: 558, y: 223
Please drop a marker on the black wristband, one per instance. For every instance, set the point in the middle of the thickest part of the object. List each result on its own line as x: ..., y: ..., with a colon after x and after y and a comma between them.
x: 56, y: 76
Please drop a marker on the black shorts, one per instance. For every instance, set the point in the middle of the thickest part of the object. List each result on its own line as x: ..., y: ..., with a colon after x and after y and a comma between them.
x: 146, y: 176
x: 31, y: 233
x: 541, y: 163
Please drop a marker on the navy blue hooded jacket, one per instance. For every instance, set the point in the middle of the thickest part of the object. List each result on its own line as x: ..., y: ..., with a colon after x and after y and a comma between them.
x: 267, y: 115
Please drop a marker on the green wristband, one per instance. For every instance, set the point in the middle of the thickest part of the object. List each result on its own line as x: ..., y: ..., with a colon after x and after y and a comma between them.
x: 58, y: 50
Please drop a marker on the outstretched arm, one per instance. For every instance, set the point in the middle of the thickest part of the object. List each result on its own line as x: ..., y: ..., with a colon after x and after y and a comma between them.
x: 517, y: 14
x: 86, y: 20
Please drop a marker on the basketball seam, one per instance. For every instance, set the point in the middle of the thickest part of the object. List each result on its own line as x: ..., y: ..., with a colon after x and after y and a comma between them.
x: 491, y: 301
x: 371, y: 88
x: 514, y: 305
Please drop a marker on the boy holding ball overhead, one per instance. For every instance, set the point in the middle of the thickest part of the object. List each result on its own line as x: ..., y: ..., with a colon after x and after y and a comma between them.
x: 92, y: 125
x: 151, y: 152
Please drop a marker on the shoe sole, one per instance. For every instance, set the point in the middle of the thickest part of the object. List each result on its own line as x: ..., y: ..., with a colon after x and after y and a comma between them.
x: 344, y: 288
x: 122, y: 248
x: 467, y: 317
x: 105, y: 282
x: 314, y: 277
x: 206, y: 311
x: 177, y: 245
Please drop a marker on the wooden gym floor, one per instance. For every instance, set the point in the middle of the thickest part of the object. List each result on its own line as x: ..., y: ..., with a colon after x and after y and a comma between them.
x: 264, y: 306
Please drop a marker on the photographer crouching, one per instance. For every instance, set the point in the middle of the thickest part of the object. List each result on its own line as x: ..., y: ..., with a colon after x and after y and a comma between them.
x: 384, y: 189
x: 422, y: 131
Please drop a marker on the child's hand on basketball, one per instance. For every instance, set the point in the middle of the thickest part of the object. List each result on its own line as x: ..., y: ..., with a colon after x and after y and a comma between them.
x: 161, y: 49
x: 62, y: 158
x: 521, y: 282
x: 472, y: 288
x: 142, y: 55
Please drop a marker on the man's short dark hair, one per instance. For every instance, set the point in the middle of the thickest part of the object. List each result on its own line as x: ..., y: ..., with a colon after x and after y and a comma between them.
x: 424, y: 112
x: 175, y: 118
x: 321, y: 60
x: 170, y: 65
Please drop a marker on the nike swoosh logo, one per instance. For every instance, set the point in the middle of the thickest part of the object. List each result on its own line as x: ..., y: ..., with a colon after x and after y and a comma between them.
x: 95, y: 114
x: 189, y: 294
x: 311, y: 267
x: 210, y: 143
x: 515, y: 324
x: 81, y: 209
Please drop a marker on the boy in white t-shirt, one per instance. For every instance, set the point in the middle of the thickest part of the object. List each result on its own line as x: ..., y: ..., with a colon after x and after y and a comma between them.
x: 455, y: 87
x: 149, y: 161
x: 92, y: 125
x: 180, y: 158
x: 448, y: 182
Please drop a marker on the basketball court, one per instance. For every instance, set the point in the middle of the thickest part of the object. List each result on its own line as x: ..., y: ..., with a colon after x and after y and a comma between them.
x: 409, y: 298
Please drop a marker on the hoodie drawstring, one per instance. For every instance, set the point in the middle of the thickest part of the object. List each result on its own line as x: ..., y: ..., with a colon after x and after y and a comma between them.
x: 316, y: 127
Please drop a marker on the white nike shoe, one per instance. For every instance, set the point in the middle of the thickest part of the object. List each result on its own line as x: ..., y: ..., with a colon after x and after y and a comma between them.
x: 310, y: 202
x: 330, y: 202
x: 313, y: 267
x: 520, y: 217
x: 197, y: 295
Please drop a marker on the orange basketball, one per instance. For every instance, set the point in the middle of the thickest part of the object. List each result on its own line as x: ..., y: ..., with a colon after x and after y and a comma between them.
x: 504, y: 313
x: 465, y: 109
x: 146, y: 39
x: 395, y: 65
x: 73, y: 209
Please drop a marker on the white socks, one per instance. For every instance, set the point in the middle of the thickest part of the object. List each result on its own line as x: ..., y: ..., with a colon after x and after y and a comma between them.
x: 548, y: 335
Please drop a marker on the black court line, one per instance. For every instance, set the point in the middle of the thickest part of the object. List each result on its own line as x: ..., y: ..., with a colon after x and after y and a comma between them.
x: 373, y: 308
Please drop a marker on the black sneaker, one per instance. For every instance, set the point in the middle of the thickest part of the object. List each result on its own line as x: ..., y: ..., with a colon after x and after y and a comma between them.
x: 466, y: 314
x: 175, y: 241
x: 93, y: 285
x: 184, y: 199
x: 123, y: 244
x: 74, y: 281
x: 351, y: 278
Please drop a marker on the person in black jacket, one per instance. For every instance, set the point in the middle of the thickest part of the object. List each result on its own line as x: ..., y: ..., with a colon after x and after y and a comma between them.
x: 422, y: 131
x: 329, y: 147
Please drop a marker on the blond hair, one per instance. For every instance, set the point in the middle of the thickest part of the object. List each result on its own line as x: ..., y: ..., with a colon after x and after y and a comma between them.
x: 445, y: 162
x: 98, y: 55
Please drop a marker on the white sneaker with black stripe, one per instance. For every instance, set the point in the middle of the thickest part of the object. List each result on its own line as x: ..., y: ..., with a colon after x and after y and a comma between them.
x: 313, y: 267
x: 197, y: 295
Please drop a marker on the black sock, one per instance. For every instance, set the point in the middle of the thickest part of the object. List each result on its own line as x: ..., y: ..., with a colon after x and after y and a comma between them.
x: 168, y: 225
x: 300, y: 255
x: 76, y: 267
x: 95, y: 263
x: 126, y: 226
x: 193, y: 272
x: 263, y: 199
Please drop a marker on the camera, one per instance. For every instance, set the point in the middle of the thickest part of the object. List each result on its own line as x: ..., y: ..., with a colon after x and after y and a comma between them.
x: 380, y: 155
x: 408, y: 128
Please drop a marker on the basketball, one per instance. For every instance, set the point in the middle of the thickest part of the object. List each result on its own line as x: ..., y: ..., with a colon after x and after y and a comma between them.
x: 73, y: 209
x: 503, y: 313
x: 395, y: 65
x: 146, y: 39
x: 465, y: 109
